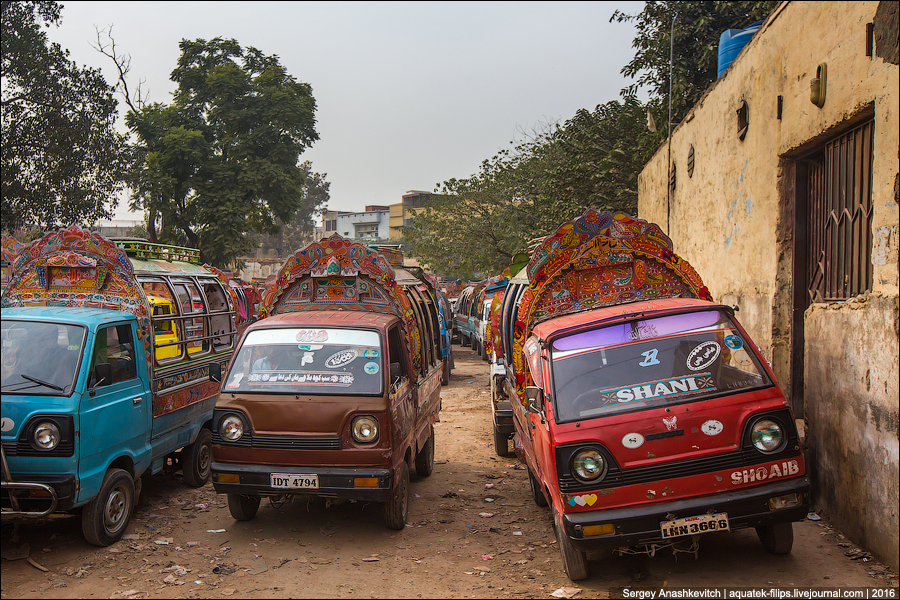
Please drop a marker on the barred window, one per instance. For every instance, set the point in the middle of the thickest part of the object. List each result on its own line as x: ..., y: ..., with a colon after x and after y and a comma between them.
x: 839, y: 257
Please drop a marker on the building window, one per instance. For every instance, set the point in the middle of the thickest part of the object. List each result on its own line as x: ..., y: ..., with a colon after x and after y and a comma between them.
x: 839, y: 184
x: 367, y: 231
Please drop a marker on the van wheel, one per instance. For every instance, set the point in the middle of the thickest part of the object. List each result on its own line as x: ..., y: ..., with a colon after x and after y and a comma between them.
x: 536, y: 493
x: 197, y: 460
x: 574, y: 560
x: 777, y: 538
x: 105, y: 518
x: 396, y: 510
x: 484, y: 354
x: 425, y: 457
x: 243, y: 508
x: 445, y: 374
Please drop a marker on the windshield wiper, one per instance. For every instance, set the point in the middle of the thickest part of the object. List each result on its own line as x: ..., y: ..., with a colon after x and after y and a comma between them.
x: 52, y: 386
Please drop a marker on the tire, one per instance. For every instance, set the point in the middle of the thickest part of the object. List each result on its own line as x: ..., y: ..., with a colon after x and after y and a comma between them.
x: 574, y: 560
x: 501, y: 443
x: 445, y: 374
x: 536, y: 493
x: 425, y: 457
x: 196, y: 460
x: 243, y: 508
x: 105, y: 518
x: 484, y: 354
x: 777, y: 538
x: 396, y: 510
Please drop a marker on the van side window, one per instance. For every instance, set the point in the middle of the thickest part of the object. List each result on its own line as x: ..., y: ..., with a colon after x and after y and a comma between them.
x: 396, y: 351
x: 115, y: 345
x: 220, y: 325
x: 191, y: 303
x: 166, y: 332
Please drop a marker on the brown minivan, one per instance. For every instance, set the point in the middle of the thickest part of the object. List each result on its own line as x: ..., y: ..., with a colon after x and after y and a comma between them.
x: 335, y: 390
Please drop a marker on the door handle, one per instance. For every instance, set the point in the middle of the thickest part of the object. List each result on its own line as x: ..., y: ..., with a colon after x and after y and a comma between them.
x: 136, y: 401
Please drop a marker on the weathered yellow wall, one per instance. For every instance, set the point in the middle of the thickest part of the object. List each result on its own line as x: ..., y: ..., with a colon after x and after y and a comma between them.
x: 733, y: 221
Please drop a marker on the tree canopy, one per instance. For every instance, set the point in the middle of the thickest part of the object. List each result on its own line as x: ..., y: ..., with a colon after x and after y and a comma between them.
x: 62, y: 160
x: 300, y: 230
x: 695, y: 51
x: 221, y: 163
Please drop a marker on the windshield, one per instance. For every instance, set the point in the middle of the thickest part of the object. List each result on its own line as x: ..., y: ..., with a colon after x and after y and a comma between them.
x: 40, y: 358
x: 653, y: 362
x: 308, y: 361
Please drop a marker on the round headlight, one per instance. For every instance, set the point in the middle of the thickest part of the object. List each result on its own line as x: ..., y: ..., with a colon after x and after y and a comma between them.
x: 46, y: 435
x: 364, y: 429
x: 232, y: 428
x: 589, y: 464
x: 767, y: 435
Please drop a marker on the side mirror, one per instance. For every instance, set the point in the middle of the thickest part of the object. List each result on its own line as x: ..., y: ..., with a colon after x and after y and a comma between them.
x: 395, y: 371
x: 215, y: 372
x: 535, y: 399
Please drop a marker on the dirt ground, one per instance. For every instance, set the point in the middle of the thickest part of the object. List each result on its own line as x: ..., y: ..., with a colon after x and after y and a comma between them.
x: 473, y: 532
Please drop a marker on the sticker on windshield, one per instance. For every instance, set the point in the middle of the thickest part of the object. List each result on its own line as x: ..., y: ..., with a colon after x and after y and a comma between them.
x: 633, y: 440
x: 308, y: 357
x: 712, y: 427
x: 312, y: 335
x: 236, y: 380
x: 733, y: 342
x: 282, y: 378
x: 371, y: 354
x: 659, y: 389
x: 703, y: 355
x: 341, y: 358
x: 371, y: 368
x: 649, y: 358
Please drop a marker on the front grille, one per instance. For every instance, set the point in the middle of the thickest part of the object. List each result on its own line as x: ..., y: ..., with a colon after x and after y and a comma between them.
x: 747, y: 456
x: 281, y: 442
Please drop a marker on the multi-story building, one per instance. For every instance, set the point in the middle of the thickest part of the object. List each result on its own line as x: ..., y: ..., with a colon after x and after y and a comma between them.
x: 370, y: 225
x: 412, y: 202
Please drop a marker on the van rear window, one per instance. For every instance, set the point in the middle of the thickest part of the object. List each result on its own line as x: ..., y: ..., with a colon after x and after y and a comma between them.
x: 658, y: 361
x: 308, y: 361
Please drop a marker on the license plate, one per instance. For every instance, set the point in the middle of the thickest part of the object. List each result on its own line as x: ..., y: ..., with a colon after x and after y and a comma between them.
x: 694, y: 525
x: 284, y: 481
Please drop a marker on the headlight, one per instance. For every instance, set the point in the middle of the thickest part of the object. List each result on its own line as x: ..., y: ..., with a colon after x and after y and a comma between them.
x: 767, y: 435
x: 589, y: 465
x: 364, y: 429
x: 231, y: 428
x: 46, y: 435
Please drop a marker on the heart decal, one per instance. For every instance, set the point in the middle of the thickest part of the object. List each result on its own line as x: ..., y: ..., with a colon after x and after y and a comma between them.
x: 590, y: 499
x: 580, y: 501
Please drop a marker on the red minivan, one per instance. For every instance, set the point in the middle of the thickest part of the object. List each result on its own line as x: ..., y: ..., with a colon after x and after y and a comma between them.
x: 644, y: 411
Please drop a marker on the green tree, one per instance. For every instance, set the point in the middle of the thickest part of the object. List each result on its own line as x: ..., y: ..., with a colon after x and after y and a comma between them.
x: 301, y: 229
x: 62, y: 160
x: 698, y: 25
x: 220, y: 164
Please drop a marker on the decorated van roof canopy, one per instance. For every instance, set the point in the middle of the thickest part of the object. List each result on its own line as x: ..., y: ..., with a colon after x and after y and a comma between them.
x: 340, y: 274
x: 74, y: 267
x: 603, y: 259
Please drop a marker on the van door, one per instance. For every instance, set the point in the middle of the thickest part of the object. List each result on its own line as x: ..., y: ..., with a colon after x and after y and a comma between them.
x: 402, y: 393
x: 116, y: 419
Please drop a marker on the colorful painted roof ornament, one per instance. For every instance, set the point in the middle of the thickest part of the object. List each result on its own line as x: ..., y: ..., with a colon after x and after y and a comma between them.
x: 340, y: 274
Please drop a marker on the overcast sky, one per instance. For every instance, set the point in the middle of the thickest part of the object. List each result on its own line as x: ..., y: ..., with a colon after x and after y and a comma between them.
x: 409, y: 94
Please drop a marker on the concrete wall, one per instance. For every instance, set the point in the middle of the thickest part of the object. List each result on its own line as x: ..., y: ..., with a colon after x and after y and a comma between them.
x: 734, y: 221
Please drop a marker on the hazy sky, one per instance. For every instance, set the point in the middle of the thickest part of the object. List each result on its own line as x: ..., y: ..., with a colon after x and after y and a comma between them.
x: 409, y: 94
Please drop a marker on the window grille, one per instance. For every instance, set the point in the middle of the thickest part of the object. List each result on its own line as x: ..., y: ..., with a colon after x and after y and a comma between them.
x: 840, y: 217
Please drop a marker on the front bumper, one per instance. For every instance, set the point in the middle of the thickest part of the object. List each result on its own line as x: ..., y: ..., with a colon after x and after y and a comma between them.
x: 39, y: 496
x: 254, y: 480
x: 640, y: 525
